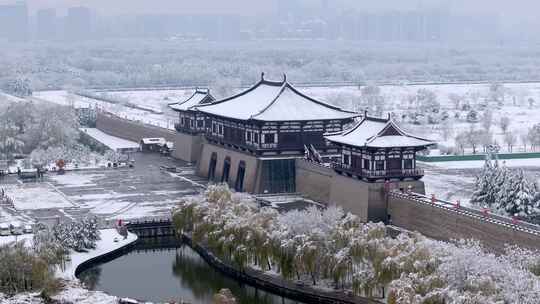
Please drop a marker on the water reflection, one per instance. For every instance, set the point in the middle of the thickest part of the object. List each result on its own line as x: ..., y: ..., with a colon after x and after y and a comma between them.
x: 173, y: 273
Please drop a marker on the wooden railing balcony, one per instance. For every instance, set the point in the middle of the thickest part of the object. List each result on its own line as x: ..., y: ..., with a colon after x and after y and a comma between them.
x: 261, y: 147
x: 379, y: 174
x: 182, y: 129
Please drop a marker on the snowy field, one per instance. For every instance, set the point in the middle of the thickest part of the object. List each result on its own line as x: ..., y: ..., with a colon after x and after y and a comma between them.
x: 453, y: 181
x: 9, y: 98
x: 396, y: 100
x: 154, y: 99
x: 65, y: 98
x: 112, y: 142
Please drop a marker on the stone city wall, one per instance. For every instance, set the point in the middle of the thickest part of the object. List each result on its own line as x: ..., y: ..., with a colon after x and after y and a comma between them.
x: 313, y: 180
x: 366, y: 200
x: 252, y: 166
x: 447, y: 223
x: 186, y: 147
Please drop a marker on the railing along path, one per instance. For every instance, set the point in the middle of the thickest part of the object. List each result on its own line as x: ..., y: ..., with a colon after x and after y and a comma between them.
x: 481, y: 215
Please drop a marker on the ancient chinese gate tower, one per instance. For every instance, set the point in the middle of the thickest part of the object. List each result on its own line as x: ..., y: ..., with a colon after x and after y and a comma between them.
x: 254, y: 137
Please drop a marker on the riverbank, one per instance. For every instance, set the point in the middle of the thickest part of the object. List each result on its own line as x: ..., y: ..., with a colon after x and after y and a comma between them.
x: 276, y: 284
x: 104, y: 247
x: 73, y: 291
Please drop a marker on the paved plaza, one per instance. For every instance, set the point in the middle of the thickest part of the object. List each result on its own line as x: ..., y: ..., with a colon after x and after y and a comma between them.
x: 149, y: 189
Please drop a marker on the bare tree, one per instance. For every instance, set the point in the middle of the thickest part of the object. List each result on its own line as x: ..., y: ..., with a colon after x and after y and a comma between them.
x: 510, y: 139
x: 461, y: 141
x: 455, y: 99
x: 484, y: 137
x: 474, y: 137
x: 534, y: 136
x: 427, y: 101
x: 504, y: 123
x: 371, y: 95
x: 446, y: 129
x: 496, y: 91
x: 524, y: 137
x: 487, y: 120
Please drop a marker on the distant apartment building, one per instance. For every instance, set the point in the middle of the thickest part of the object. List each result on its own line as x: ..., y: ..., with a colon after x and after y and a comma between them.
x: 46, y: 24
x: 78, y: 24
x: 14, y: 21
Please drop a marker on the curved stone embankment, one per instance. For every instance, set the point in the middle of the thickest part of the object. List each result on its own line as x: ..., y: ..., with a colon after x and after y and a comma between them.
x: 277, y: 285
x: 106, y: 248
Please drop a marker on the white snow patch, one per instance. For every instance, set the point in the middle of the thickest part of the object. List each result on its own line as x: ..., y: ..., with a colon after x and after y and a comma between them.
x: 114, y: 143
x: 36, y: 196
x: 105, y: 245
x: 76, y: 180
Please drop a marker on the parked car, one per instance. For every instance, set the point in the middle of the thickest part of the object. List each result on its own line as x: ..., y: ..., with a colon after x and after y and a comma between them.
x: 28, y: 229
x: 16, y: 228
x: 4, y: 229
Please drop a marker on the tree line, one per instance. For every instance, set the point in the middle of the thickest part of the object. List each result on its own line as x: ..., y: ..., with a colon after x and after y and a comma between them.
x: 505, y: 191
x: 330, y: 248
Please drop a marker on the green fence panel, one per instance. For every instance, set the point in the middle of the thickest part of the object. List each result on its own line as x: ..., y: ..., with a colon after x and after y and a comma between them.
x: 447, y: 158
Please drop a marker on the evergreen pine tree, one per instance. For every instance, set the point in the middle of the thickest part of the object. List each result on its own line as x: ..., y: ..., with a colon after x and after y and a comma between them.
x: 507, y: 193
x: 484, y: 181
x: 521, y: 202
x: 499, y: 186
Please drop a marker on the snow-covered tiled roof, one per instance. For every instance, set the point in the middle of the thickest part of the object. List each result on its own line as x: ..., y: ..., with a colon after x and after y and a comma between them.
x: 274, y: 101
x: 377, y: 133
x: 199, y: 97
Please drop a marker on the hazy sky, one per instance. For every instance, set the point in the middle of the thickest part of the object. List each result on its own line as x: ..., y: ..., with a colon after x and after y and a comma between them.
x: 510, y: 8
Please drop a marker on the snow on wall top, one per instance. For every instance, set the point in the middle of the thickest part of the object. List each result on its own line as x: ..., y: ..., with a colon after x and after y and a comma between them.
x: 114, y: 143
x: 199, y: 97
x: 377, y: 133
x: 274, y: 101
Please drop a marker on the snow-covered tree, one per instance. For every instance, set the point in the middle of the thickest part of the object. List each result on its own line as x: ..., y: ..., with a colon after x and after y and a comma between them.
x: 522, y: 198
x: 472, y: 116
x: 19, y: 86
x: 328, y: 246
x: 505, y: 192
x: 79, y: 235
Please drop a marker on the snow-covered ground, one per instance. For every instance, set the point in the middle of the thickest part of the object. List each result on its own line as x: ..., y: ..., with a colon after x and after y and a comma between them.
x: 397, y: 100
x: 154, y: 99
x: 37, y: 196
x: 455, y: 180
x: 73, y: 291
x: 112, y: 142
x: 65, y: 98
x: 105, y: 245
x: 9, y: 98
x: 9, y: 239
